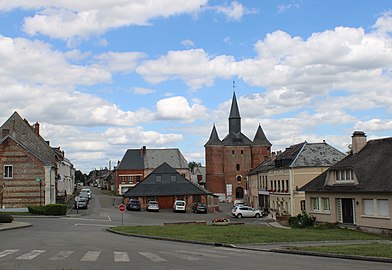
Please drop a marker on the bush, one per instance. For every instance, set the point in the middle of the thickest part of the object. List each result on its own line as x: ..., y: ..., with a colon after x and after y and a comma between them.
x: 6, y: 218
x: 302, y: 220
x: 50, y: 209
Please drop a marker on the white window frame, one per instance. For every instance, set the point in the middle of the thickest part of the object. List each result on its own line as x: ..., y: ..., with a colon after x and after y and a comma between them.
x: 344, y: 176
x: 315, y: 204
x: 325, y: 204
x: 8, y: 171
x: 376, y: 209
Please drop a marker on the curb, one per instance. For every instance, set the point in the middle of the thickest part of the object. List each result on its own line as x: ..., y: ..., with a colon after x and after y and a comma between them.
x: 171, y: 239
x: 283, y: 251
x: 26, y: 225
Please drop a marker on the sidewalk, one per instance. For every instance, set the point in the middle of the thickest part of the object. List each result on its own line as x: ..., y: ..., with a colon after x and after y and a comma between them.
x: 14, y: 225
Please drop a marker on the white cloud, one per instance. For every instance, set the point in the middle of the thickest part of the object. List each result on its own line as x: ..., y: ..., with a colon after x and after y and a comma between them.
x: 188, y: 43
x: 178, y: 108
x: 234, y: 11
x: 383, y: 25
x: 120, y: 62
x: 374, y: 125
x: 36, y: 62
x: 143, y: 91
x: 68, y: 19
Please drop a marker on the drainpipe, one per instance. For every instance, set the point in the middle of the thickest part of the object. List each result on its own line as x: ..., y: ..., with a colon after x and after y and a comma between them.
x: 291, y: 190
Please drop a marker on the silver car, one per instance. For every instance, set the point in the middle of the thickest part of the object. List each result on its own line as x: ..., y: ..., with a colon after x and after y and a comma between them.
x: 240, y: 211
x: 153, y: 206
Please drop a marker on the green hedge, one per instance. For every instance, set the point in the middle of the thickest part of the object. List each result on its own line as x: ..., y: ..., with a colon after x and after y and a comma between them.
x: 302, y: 220
x: 4, y: 218
x: 49, y: 210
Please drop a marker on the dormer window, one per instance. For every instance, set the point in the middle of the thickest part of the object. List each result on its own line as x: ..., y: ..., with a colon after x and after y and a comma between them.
x: 346, y: 175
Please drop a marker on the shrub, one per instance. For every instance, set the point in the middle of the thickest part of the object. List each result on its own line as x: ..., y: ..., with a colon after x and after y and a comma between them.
x: 302, y: 220
x: 50, y: 209
x: 4, y: 218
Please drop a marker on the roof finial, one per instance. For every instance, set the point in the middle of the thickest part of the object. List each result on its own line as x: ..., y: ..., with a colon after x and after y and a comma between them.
x: 233, y: 86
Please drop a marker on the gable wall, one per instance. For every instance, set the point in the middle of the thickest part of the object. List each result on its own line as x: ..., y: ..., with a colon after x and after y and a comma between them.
x: 23, y: 189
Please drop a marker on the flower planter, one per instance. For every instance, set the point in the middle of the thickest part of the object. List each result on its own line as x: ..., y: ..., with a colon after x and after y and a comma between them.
x: 224, y: 223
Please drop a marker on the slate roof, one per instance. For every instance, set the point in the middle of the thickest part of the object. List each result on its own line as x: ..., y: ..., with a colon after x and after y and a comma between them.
x: 134, y: 159
x: 372, y: 166
x: 214, y: 138
x: 260, y: 138
x: 309, y: 155
x: 234, y: 139
x: 22, y: 133
x: 263, y: 167
x: 167, y: 187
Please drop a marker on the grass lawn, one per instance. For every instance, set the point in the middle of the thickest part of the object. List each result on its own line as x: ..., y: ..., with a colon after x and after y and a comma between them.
x: 246, y: 234
x: 373, y: 249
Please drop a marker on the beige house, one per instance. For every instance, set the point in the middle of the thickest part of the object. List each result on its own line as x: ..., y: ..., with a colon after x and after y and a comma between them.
x: 278, y: 182
x: 357, y: 190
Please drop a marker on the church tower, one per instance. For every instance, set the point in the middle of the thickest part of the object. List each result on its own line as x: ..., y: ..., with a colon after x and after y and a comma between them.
x: 228, y: 161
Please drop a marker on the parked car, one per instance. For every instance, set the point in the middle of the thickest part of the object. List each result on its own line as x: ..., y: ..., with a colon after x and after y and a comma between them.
x: 179, y: 206
x: 153, y: 206
x: 88, y: 191
x: 245, y: 211
x: 199, y: 208
x: 133, y: 205
x: 84, y: 195
x: 82, y: 203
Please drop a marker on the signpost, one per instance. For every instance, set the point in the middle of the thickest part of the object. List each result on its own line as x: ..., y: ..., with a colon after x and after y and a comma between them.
x: 121, y: 209
x: 77, y: 199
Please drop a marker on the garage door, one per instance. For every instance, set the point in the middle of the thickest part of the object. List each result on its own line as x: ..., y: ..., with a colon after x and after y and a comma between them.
x: 165, y: 202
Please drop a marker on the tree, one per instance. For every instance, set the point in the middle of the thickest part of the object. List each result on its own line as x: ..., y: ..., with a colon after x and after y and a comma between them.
x: 80, y: 177
x: 193, y: 164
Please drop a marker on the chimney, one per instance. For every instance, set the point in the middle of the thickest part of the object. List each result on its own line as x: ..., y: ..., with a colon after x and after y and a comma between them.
x: 36, y: 128
x: 143, y: 152
x: 358, y: 141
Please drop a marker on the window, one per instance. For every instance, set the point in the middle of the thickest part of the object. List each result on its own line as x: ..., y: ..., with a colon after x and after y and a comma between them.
x: 314, y: 203
x: 242, y: 152
x: 377, y: 208
x: 8, y: 172
x: 232, y: 152
x: 326, y: 206
x: 173, y: 178
x: 158, y: 179
x: 138, y: 179
x: 287, y: 185
x: 238, y: 167
x: 368, y: 207
x: 344, y: 175
x: 303, y: 208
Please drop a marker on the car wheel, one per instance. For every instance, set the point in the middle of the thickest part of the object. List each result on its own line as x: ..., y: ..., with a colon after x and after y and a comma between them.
x: 239, y: 216
x: 257, y: 215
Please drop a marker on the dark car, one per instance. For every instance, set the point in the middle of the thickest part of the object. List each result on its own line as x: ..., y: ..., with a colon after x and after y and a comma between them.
x: 199, y: 208
x: 133, y: 205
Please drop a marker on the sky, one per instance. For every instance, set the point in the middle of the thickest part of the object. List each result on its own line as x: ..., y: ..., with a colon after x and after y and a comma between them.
x: 104, y: 76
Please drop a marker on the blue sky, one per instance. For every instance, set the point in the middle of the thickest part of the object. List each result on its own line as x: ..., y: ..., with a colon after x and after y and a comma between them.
x: 103, y: 76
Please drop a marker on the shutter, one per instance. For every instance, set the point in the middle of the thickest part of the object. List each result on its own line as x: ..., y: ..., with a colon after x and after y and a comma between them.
x: 339, y: 210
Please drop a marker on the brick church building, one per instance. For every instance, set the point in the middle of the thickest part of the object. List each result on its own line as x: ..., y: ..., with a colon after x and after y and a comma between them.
x: 228, y: 161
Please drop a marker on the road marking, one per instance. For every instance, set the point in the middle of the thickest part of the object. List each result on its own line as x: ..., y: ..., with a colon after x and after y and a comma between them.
x: 109, y: 218
x: 153, y: 257
x: 8, y: 252
x: 90, y: 256
x: 120, y: 257
x: 62, y: 255
x: 96, y: 225
x: 31, y: 255
x: 89, y: 219
x: 182, y: 256
x: 202, y: 254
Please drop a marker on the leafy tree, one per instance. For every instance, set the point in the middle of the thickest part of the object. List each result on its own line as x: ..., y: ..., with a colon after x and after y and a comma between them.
x: 80, y: 177
x: 193, y: 164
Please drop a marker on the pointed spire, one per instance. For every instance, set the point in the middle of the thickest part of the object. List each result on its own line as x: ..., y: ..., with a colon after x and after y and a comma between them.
x: 260, y: 138
x: 214, y: 138
x: 234, y: 117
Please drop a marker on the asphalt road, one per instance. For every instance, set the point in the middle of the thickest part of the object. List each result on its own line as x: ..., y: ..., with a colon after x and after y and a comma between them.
x: 82, y: 242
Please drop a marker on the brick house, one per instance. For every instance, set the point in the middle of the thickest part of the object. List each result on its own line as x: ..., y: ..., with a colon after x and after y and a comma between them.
x: 228, y: 161
x: 166, y: 185
x: 357, y: 191
x: 30, y: 168
x: 137, y: 164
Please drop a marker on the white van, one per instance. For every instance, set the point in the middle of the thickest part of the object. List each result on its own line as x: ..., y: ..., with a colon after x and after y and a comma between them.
x: 179, y: 206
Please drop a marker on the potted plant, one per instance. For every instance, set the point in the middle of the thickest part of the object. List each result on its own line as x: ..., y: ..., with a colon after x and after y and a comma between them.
x: 221, y: 221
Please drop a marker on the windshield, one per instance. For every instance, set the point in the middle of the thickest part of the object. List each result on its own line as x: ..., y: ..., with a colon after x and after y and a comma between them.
x: 180, y: 203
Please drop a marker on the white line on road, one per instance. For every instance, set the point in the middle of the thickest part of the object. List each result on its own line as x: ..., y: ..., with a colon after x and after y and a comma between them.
x: 97, y: 225
x: 109, y: 218
x: 8, y: 252
x: 120, y: 257
x: 202, y: 254
x: 31, y: 255
x: 153, y: 257
x: 182, y: 256
x: 89, y: 219
x: 62, y: 255
x: 90, y: 256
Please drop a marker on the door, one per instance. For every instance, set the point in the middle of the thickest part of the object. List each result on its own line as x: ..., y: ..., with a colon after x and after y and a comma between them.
x: 347, y: 211
x: 165, y: 202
